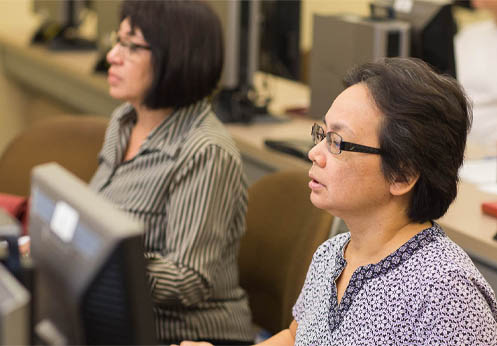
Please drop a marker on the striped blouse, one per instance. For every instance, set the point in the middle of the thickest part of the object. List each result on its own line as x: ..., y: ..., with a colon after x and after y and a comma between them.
x: 187, y: 186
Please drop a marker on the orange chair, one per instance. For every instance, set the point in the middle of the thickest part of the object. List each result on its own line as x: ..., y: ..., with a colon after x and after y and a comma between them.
x: 72, y: 141
x: 283, y: 231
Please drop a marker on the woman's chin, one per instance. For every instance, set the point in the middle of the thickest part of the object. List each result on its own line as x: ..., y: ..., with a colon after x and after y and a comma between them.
x: 116, y: 94
x: 317, y: 201
x: 321, y: 203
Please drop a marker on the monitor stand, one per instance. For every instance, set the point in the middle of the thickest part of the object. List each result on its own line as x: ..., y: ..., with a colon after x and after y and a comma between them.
x: 236, y: 106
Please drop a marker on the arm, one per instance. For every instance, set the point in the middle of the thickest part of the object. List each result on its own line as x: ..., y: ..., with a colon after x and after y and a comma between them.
x: 203, y: 222
x: 284, y: 338
x: 458, y: 311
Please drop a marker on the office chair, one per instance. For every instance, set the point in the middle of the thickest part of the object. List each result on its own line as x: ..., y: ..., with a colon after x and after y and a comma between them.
x: 283, y: 231
x: 72, y: 141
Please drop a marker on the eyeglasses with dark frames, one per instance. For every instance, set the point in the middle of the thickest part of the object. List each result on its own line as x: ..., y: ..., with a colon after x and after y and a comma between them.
x: 127, y: 48
x: 336, y: 145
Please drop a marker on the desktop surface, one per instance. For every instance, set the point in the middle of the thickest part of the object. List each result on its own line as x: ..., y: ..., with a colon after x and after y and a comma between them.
x: 468, y: 226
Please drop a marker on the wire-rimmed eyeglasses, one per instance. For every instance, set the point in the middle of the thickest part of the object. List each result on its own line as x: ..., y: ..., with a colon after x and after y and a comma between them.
x: 126, y: 48
x: 336, y: 144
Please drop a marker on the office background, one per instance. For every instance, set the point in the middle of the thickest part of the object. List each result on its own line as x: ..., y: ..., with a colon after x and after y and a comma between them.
x: 21, y: 105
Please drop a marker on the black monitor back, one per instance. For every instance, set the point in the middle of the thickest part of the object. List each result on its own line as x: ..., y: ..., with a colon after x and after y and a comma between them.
x: 279, y: 51
x: 90, y: 271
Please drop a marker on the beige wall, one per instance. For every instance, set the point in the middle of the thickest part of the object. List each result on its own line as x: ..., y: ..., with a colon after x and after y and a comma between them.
x: 12, y: 14
x: 15, y: 13
x: 20, y: 105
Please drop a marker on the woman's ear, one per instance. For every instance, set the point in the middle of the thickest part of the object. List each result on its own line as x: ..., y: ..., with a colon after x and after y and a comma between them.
x: 404, y: 186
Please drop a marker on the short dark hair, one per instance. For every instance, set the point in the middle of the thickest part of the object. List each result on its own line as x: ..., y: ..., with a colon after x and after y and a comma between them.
x: 426, y: 120
x: 186, y: 41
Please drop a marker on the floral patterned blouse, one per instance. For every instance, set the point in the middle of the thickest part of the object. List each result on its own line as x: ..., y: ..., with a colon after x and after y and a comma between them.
x: 427, y: 292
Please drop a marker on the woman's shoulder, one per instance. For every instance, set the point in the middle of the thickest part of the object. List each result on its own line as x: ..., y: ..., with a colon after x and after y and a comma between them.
x: 212, y: 133
x: 450, y: 280
x: 331, y: 247
x: 442, y: 264
x: 447, y: 256
x: 121, y: 111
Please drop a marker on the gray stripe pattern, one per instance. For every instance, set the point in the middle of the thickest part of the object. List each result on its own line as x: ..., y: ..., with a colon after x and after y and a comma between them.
x: 187, y: 186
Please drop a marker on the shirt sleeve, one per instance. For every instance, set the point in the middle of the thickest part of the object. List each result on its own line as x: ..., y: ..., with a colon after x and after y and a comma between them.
x: 206, y: 217
x: 458, y: 312
x: 310, y: 296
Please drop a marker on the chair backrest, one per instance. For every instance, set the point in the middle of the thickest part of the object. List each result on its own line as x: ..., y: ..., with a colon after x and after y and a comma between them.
x: 72, y: 141
x: 283, y: 231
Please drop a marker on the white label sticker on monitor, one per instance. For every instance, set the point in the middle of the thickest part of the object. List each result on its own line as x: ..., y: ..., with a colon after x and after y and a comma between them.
x: 64, y: 221
x: 403, y: 5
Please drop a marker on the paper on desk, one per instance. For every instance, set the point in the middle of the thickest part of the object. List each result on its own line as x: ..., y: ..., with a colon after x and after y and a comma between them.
x: 482, y: 172
x: 488, y: 188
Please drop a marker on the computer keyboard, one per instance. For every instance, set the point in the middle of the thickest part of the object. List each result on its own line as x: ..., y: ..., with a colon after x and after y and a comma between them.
x: 295, y: 147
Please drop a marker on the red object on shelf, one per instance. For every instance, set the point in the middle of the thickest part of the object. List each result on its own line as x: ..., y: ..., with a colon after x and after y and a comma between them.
x: 17, y: 207
x: 489, y: 208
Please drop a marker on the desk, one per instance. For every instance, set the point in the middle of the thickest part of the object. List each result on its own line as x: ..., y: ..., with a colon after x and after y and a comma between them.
x: 67, y: 77
x: 260, y: 160
x: 466, y: 224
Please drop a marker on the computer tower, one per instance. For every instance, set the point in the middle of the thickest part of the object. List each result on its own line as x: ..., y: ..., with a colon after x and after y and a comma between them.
x: 341, y: 42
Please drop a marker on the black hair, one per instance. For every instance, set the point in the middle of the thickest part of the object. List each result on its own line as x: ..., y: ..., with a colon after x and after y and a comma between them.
x: 426, y: 120
x: 186, y: 42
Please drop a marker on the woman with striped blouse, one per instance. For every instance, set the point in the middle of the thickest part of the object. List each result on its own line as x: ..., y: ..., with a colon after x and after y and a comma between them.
x: 168, y: 161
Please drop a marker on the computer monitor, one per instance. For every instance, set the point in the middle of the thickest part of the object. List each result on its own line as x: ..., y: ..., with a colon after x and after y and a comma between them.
x: 59, y: 27
x: 241, y: 38
x: 279, y: 48
x: 241, y: 24
x: 259, y: 35
x: 90, y: 284
x: 14, y: 310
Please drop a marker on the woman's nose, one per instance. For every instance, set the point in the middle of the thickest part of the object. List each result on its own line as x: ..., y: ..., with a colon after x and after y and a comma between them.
x: 113, y: 56
x: 316, y: 154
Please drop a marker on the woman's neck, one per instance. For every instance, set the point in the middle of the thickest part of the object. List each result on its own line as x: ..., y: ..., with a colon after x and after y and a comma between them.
x: 373, y: 241
x: 148, y: 119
